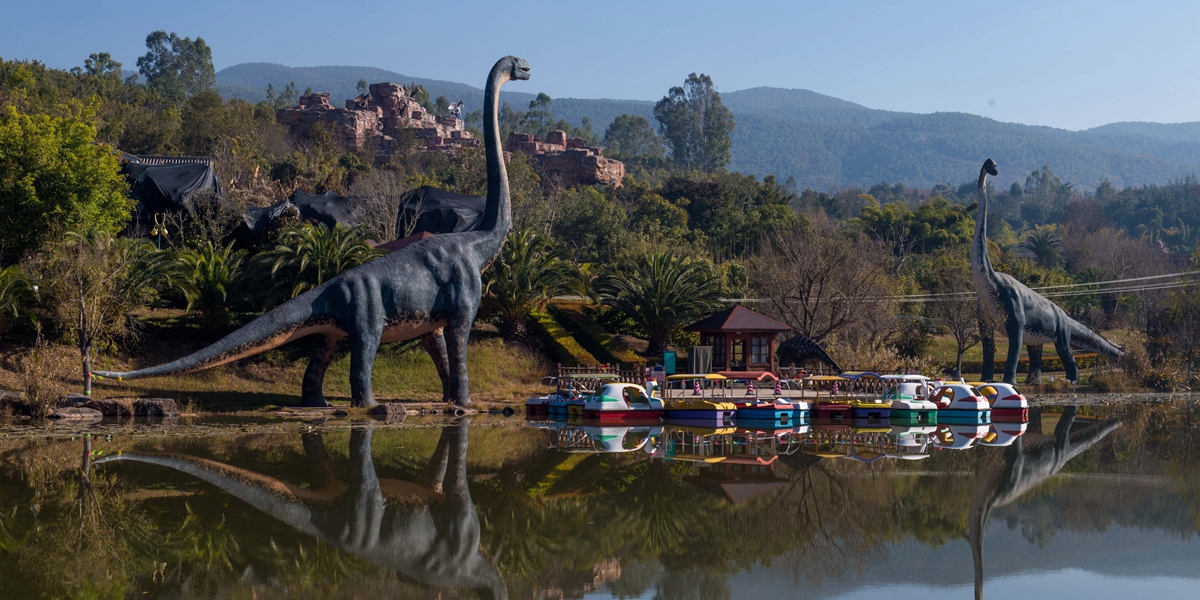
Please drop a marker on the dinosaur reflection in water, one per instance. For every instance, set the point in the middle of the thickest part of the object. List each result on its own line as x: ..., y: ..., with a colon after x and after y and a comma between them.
x: 1023, y: 469
x: 428, y: 534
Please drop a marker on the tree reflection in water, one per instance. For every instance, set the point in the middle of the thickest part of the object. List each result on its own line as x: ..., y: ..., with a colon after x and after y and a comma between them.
x: 533, y: 523
x: 428, y: 535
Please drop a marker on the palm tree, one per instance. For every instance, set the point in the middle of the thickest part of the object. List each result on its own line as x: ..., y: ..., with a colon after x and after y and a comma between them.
x: 305, y: 256
x: 663, y: 292
x: 529, y: 271
x: 207, y: 278
x: 1044, y: 243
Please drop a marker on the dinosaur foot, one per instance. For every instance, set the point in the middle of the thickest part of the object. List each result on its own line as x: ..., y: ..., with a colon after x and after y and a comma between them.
x: 317, y: 401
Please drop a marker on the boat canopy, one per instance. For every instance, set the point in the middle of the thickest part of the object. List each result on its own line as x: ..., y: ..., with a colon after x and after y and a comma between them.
x: 711, y: 376
x: 921, y: 378
x: 825, y: 378
x: 856, y: 375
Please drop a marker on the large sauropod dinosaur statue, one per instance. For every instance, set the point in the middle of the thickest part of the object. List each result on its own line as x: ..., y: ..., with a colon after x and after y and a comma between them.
x: 1029, y: 318
x: 430, y: 290
x: 1024, y: 469
x: 427, y: 533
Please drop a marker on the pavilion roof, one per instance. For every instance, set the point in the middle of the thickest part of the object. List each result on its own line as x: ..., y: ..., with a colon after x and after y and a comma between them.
x: 738, y: 318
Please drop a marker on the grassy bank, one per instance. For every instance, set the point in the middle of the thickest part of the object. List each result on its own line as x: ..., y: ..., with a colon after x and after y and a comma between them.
x: 500, y: 371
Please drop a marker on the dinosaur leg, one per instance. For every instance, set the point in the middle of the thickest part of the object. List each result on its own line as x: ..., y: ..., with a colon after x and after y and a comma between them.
x: 1035, y: 363
x: 457, y: 333
x: 324, y: 473
x: 1062, y: 345
x: 312, y: 390
x: 987, y: 337
x: 435, y: 471
x: 435, y: 344
x: 1016, y: 331
x: 363, y: 346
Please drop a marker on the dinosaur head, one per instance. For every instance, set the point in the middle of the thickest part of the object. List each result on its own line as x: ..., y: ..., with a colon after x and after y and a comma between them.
x: 989, y: 166
x: 519, y: 68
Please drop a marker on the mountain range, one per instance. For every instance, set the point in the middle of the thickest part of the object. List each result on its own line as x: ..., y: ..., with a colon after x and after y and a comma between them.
x: 827, y: 143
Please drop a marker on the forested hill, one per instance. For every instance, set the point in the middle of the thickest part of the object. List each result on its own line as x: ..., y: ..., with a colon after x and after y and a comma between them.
x: 825, y: 142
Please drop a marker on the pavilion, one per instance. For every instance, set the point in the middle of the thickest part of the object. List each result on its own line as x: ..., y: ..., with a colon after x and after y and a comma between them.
x: 742, y: 340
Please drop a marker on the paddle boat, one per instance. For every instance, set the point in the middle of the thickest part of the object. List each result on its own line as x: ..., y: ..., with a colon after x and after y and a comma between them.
x: 704, y: 402
x: 958, y: 436
x: 622, y: 402
x: 781, y: 411
x: 1004, y: 433
x: 837, y: 403
x: 961, y: 403
x: 909, y: 403
x: 568, y: 398
x: 1007, y: 403
x: 912, y: 441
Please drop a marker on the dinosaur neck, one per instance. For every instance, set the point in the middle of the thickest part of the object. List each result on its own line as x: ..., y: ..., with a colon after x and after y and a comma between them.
x: 497, y: 216
x: 980, y: 261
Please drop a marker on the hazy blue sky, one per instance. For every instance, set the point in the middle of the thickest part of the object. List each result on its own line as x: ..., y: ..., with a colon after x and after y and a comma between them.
x: 1069, y: 64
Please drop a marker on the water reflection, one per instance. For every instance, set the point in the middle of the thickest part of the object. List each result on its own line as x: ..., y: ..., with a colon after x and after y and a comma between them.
x: 428, y: 533
x: 1023, y: 469
x: 564, y: 510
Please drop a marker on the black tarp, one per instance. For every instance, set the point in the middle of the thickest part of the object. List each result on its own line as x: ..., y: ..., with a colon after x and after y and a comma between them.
x: 161, y: 188
x: 439, y: 211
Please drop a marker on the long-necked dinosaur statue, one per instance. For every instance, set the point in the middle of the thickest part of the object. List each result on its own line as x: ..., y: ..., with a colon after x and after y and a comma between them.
x: 430, y: 289
x: 1029, y: 318
x: 1023, y: 469
x: 427, y: 533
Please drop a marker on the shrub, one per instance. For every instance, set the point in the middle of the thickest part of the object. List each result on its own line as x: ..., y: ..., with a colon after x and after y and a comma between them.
x: 52, y: 172
x: 562, y: 347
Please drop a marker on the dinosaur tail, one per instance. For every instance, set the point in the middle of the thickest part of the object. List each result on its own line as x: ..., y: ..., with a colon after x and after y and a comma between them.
x: 269, y: 495
x: 275, y: 328
x: 1086, y: 338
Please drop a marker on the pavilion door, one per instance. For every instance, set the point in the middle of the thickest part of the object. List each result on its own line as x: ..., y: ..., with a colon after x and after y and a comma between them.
x: 737, y: 355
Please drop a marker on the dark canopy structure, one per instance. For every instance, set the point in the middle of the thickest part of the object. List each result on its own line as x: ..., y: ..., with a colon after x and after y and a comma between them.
x: 439, y: 211
x: 799, y: 350
x: 160, y: 188
x: 435, y: 211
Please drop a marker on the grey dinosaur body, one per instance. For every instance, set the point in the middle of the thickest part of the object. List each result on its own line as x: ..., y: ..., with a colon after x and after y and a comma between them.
x: 430, y: 289
x: 1028, y: 317
x: 427, y: 533
x: 1023, y: 469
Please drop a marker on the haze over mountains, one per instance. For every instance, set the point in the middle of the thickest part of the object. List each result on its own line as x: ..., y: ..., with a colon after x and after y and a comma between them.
x: 825, y: 142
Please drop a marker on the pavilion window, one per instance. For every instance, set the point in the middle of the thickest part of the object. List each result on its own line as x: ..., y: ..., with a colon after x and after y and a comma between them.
x: 759, y: 353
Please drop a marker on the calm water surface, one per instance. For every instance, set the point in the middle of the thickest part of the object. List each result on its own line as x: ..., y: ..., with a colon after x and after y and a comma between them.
x: 1096, y: 502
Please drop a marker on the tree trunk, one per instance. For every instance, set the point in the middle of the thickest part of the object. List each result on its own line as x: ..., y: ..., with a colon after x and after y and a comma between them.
x: 87, y: 369
x: 958, y: 364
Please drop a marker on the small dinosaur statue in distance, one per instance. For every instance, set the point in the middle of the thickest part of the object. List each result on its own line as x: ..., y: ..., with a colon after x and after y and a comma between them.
x: 430, y: 289
x: 1029, y: 317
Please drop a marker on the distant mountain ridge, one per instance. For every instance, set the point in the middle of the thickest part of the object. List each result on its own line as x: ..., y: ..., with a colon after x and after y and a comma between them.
x: 825, y: 142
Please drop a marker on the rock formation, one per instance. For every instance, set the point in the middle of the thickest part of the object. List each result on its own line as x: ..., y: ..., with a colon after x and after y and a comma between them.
x: 568, y: 161
x: 385, y: 114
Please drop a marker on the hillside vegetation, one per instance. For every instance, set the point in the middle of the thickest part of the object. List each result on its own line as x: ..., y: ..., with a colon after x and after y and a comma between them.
x: 824, y: 142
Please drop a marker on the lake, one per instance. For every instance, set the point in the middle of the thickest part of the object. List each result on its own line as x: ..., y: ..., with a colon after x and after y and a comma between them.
x: 1082, y: 502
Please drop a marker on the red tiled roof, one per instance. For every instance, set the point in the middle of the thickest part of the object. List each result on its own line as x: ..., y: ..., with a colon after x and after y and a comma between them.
x: 738, y: 318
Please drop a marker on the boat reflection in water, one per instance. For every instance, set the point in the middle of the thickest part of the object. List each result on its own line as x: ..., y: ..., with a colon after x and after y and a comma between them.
x: 557, y: 509
x: 428, y: 533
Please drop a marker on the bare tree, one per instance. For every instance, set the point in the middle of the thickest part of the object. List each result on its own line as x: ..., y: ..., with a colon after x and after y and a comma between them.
x: 375, y: 199
x: 92, y: 280
x: 821, y: 283
x: 960, y: 315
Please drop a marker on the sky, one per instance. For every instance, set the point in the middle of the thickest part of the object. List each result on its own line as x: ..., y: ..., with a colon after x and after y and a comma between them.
x: 1071, y: 65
